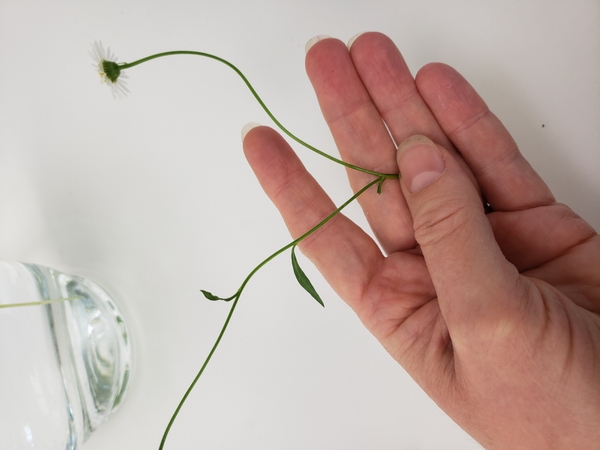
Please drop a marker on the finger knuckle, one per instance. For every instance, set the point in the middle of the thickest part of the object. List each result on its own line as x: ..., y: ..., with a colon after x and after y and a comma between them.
x: 442, y: 221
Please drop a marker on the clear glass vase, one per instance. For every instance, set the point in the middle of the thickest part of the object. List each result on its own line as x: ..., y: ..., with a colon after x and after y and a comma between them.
x: 65, y: 366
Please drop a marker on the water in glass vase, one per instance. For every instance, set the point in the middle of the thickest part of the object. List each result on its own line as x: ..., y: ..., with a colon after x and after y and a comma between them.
x: 64, y: 366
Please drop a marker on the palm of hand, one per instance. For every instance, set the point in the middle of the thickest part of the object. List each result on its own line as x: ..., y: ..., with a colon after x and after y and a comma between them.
x: 538, y: 363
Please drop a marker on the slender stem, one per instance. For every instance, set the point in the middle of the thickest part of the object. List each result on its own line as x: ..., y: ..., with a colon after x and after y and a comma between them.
x: 206, y: 361
x: 238, y: 294
x: 43, y: 302
x: 124, y: 66
x: 308, y: 233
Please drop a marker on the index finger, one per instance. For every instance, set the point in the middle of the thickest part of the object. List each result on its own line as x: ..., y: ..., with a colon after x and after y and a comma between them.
x: 340, y: 249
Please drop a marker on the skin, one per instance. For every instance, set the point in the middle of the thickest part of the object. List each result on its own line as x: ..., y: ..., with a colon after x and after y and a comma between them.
x: 496, y: 316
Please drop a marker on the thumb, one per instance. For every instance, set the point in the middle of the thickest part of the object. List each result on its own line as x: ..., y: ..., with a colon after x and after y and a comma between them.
x: 476, y: 286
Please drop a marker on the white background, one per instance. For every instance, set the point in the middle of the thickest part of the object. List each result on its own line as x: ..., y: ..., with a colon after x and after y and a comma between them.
x: 151, y: 195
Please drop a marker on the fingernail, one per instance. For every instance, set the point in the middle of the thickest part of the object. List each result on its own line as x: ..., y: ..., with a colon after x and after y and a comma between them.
x: 248, y: 127
x: 314, y: 40
x: 352, y: 39
x: 420, y: 162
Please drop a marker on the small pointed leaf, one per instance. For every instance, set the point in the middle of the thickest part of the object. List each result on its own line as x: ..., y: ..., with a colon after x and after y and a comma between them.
x: 303, y: 279
x: 210, y: 296
x: 380, y: 185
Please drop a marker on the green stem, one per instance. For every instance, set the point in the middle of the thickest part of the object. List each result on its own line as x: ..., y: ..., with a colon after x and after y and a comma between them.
x: 124, y: 66
x: 308, y: 233
x: 238, y: 294
x: 43, y: 302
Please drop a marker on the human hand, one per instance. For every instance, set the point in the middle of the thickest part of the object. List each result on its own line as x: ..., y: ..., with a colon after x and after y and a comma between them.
x: 496, y: 316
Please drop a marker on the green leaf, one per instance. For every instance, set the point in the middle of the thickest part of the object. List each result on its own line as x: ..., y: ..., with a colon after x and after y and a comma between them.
x: 380, y: 185
x: 210, y: 296
x: 303, y: 279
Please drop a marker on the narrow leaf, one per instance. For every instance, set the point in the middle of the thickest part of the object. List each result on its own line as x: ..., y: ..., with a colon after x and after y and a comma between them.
x: 303, y: 279
x: 210, y: 296
x: 380, y: 185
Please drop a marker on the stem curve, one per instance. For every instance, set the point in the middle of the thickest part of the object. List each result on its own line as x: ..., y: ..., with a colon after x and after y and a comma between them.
x: 124, y: 66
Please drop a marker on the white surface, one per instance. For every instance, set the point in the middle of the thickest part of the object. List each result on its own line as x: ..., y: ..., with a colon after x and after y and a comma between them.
x: 151, y: 195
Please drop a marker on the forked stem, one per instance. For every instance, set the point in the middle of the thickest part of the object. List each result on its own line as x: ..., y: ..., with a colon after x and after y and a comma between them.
x: 380, y: 178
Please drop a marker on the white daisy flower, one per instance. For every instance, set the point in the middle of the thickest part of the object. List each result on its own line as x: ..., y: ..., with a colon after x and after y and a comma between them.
x: 108, y: 69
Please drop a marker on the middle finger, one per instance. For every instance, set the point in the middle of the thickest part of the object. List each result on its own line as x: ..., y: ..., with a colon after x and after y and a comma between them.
x: 362, y: 139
